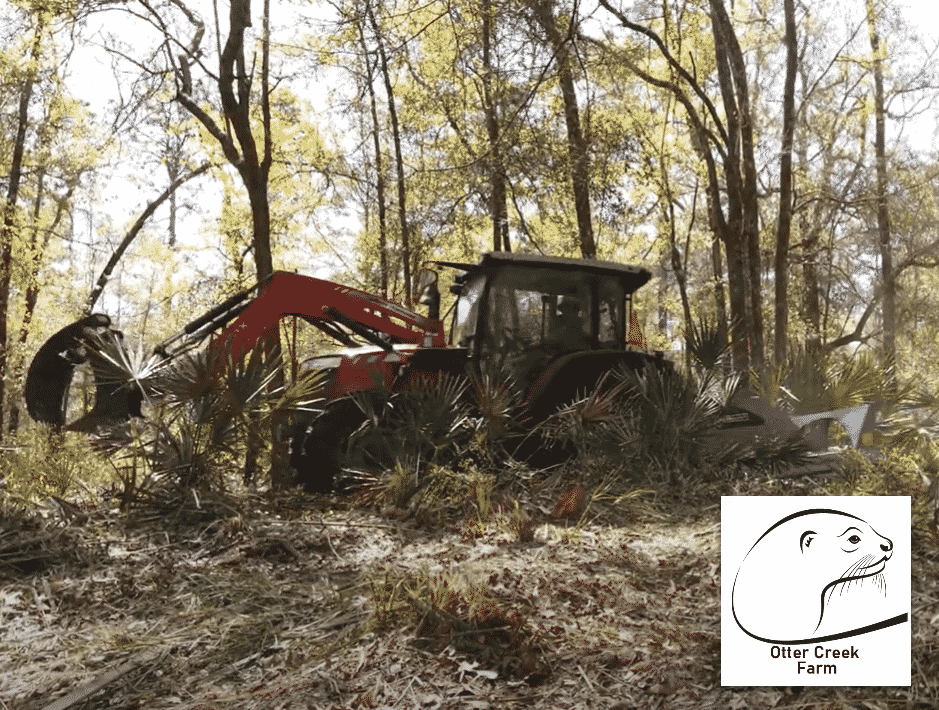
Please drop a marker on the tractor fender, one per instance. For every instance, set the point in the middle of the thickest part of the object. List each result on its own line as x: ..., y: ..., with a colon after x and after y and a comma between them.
x: 430, y: 363
x: 577, y: 374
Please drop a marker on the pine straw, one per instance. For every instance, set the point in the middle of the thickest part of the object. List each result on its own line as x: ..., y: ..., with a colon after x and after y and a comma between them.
x: 274, y: 613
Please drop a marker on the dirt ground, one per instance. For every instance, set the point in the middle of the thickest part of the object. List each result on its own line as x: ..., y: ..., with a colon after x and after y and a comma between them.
x: 310, y: 604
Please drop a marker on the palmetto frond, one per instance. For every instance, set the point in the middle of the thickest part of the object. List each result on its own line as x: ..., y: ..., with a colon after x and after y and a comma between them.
x: 122, y: 380
x: 116, y: 363
x: 497, y: 400
x: 589, y: 421
x: 806, y: 380
x: 422, y: 423
x: 707, y: 343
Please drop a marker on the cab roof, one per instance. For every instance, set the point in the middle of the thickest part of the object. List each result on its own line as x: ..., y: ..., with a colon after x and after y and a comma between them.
x: 632, y: 277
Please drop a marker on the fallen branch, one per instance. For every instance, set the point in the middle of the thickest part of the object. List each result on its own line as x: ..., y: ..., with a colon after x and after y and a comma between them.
x: 149, y: 656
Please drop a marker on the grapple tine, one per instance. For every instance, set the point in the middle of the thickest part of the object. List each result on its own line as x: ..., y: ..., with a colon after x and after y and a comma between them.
x: 50, y: 375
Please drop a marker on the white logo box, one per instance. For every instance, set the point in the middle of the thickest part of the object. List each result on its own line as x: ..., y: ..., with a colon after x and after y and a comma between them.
x: 815, y: 590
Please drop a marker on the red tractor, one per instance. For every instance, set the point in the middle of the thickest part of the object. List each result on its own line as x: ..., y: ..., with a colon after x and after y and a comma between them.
x: 555, y: 325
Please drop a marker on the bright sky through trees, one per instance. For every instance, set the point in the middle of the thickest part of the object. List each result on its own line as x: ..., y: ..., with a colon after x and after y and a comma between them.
x: 119, y: 199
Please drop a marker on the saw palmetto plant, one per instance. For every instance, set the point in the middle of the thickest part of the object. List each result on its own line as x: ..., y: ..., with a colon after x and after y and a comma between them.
x: 592, y: 425
x: 201, y: 411
x: 428, y: 423
x: 497, y: 409
x: 673, y: 414
x: 708, y: 344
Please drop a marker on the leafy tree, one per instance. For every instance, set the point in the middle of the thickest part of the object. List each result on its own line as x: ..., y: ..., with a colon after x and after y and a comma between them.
x: 10, y: 209
x: 730, y: 137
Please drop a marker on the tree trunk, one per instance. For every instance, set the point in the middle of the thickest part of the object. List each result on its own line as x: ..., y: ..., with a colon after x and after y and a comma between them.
x: 889, y: 308
x: 379, y: 168
x: 399, y: 160
x: 37, y: 248
x: 720, y: 299
x: 681, y: 277
x: 812, y: 309
x: 254, y: 168
x: 8, y: 234
x: 576, y: 143
x: 499, y: 205
x: 743, y: 237
x: 173, y: 146
x: 738, y: 230
x: 668, y: 217
x: 784, y: 223
x: 734, y: 234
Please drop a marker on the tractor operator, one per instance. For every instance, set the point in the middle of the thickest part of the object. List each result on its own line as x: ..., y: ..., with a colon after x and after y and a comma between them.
x: 570, y: 332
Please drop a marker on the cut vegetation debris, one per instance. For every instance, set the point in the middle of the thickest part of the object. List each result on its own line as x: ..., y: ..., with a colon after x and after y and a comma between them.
x: 346, y: 609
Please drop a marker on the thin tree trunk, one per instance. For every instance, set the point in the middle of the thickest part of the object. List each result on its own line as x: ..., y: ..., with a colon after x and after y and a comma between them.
x: 36, y: 250
x: 379, y: 168
x: 734, y: 235
x: 680, y: 277
x: 784, y: 223
x: 12, y: 196
x: 134, y: 231
x: 399, y: 160
x: 738, y: 230
x: 810, y: 303
x: 741, y: 167
x: 668, y: 215
x: 172, y: 171
x: 576, y: 143
x: 499, y: 197
x: 720, y: 299
x: 883, y: 212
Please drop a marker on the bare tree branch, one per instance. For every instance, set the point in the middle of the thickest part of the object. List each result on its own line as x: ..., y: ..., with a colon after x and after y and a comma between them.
x: 135, y: 230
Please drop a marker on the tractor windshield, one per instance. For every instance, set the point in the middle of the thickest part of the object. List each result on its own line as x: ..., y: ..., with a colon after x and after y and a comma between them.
x: 550, y: 310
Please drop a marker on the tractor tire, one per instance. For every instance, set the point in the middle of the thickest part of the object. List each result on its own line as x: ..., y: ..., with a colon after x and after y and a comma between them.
x: 319, y: 449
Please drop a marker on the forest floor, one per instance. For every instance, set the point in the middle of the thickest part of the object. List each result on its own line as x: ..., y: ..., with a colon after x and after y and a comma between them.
x: 311, y: 603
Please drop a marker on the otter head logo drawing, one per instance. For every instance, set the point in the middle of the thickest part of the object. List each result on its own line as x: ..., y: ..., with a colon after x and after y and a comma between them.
x: 813, y: 575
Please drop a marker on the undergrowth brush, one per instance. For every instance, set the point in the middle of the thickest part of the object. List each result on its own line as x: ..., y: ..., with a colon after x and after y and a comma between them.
x: 39, y: 462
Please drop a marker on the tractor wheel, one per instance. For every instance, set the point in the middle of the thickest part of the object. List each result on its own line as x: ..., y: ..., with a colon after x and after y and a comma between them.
x: 318, y: 450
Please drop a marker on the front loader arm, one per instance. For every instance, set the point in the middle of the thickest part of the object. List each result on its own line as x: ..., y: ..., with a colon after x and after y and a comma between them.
x: 325, y: 304
x: 245, y: 318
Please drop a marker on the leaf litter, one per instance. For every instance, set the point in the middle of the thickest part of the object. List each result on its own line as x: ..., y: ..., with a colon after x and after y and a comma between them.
x: 301, y: 605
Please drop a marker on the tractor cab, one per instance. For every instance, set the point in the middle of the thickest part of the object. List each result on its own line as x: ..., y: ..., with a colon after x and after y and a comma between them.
x: 523, y: 311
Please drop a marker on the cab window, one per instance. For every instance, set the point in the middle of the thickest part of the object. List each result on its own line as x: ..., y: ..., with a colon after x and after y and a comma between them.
x: 467, y: 313
x: 533, y: 308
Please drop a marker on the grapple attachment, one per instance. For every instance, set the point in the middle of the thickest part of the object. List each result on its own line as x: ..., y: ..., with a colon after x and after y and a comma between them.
x: 50, y: 375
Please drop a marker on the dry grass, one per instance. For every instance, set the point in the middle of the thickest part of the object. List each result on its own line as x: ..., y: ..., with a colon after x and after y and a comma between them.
x: 295, y: 604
